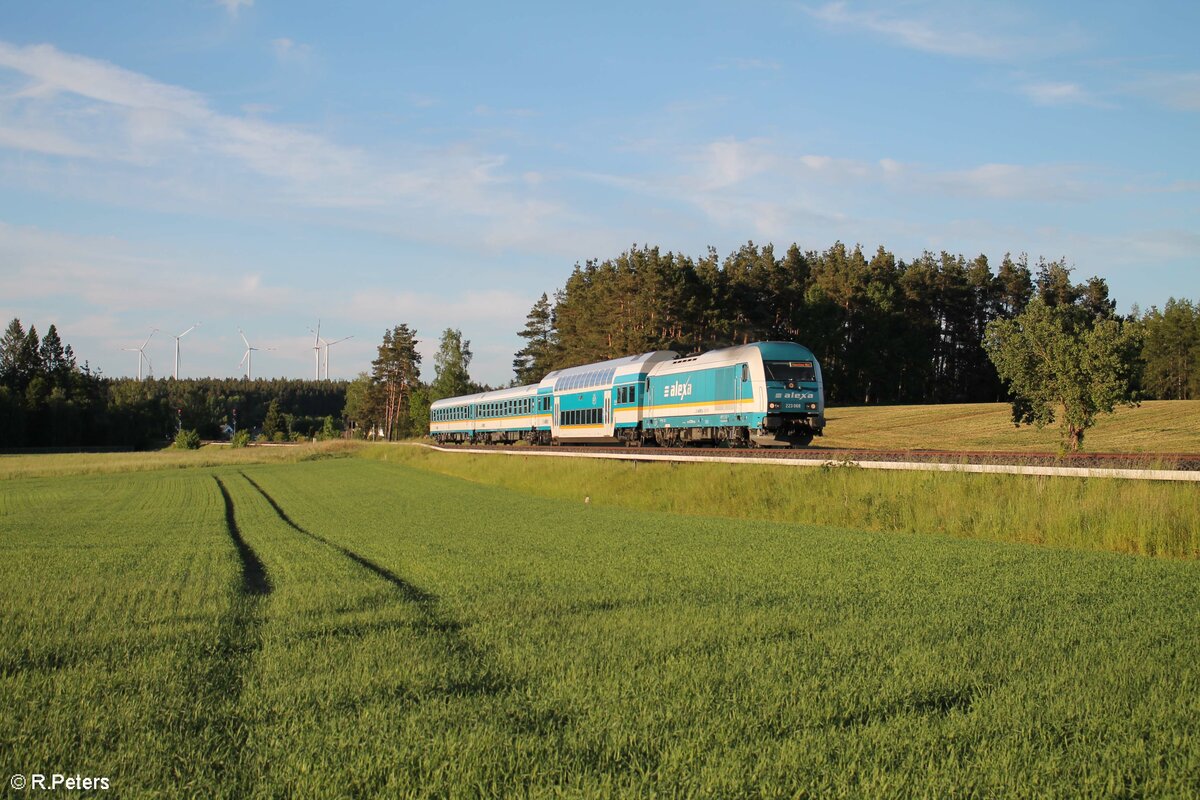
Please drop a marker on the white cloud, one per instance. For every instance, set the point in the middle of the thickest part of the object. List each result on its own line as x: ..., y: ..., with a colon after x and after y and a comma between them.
x: 775, y: 190
x: 426, y: 310
x: 233, y: 6
x: 727, y: 162
x: 1046, y: 182
x: 289, y: 51
x: 954, y: 30
x: 109, y: 273
x: 1052, y: 93
x: 154, y: 144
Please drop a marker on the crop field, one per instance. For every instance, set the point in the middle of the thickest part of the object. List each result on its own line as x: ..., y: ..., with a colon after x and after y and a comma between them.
x: 1156, y: 426
x: 356, y: 627
x: 1141, y: 517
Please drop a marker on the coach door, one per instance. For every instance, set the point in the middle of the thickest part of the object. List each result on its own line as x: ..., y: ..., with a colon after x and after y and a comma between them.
x: 741, y: 380
x: 554, y: 419
x: 608, y: 417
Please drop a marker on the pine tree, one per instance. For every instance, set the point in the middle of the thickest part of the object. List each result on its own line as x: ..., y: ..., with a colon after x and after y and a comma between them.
x: 532, y: 362
x: 54, y: 358
x: 1172, y: 350
x: 273, y: 424
x: 1015, y: 286
x: 11, y: 345
x: 396, y: 372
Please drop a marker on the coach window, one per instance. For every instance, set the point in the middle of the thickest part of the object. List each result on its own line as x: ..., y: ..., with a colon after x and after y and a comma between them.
x: 745, y: 373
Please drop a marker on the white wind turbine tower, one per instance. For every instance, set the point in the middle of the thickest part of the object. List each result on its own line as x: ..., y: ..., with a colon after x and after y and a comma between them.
x: 141, y: 351
x: 247, y: 359
x: 177, y: 338
x: 329, y: 345
x: 316, y: 351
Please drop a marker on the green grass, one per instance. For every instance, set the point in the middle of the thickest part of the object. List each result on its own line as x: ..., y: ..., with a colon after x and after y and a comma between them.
x: 384, y: 630
x: 1142, y: 517
x: 49, y: 465
x: 1156, y: 426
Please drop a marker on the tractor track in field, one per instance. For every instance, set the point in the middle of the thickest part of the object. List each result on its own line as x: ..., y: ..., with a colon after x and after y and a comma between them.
x: 483, y: 675
x: 486, y: 680
x: 240, y: 641
x: 1160, y: 461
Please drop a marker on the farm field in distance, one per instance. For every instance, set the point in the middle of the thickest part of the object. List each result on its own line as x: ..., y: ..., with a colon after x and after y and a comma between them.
x: 356, y: 626
x: 1156, y: 426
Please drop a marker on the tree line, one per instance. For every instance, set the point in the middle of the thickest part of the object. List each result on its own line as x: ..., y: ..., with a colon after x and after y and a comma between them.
x: 48, y: 399
x: 886, y: 330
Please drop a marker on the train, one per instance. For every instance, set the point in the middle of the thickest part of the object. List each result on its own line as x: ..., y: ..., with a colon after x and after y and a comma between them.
x: 763, y: 394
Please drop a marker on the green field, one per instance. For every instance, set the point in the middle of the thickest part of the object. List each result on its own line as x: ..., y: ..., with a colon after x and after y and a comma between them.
x: 1142, y: 517
x: 351, y: 627
x: 1156, y: 426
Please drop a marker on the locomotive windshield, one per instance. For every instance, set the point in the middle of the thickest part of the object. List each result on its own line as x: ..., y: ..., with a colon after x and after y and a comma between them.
x: 798, y: 371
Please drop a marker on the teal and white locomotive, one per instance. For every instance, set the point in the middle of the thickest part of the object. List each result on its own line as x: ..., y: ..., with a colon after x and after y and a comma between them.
x: 760, y: 394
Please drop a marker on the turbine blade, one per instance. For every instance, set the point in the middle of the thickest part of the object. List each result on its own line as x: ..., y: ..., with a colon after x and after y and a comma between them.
x: 244, y: 339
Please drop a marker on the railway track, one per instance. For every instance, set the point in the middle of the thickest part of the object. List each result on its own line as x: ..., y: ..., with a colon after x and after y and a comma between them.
x: 1158, y: 461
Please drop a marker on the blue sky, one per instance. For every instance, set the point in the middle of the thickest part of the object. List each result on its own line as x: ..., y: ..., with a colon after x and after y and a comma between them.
x: 260, y: 164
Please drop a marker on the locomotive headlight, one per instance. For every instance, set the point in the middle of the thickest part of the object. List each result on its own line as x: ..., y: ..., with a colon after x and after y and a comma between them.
x: 811, y: 406
x: 772, y: 405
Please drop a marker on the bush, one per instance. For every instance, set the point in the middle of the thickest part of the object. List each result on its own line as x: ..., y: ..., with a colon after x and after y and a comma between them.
x: 187, y: 439
x: 240, y: 439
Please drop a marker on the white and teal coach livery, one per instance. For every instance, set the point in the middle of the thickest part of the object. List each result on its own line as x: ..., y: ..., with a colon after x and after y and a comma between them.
x: 760, y: 394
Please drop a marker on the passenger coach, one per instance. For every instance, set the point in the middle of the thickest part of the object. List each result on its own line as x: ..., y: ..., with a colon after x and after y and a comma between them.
x: 761, y: 394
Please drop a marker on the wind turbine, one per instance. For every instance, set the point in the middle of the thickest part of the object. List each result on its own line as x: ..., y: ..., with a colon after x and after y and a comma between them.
x: 247, y: 359
x: 317, y: 351
x: 329, y: 345
x: 177, y: 338
x: 141, y: 351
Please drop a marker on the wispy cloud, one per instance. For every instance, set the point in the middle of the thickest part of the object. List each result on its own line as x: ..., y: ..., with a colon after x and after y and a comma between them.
x: 949, y: 30
x: 168, y: 144
x: 233, y: 6
x: 110, y: 273
x: 774, y: 189
x: 1062, y: 93
x: 1179, y: 91
x: 289, y: 51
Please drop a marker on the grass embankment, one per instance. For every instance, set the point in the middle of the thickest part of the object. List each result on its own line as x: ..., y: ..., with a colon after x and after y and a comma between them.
x: 48, y: 465
x: 1156, y: 426
x: 359, y: 628
x: 1142, y: 517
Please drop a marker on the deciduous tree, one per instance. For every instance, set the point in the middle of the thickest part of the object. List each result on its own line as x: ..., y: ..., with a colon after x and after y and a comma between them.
x: 450, y: 366
x: 1057, y: 368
